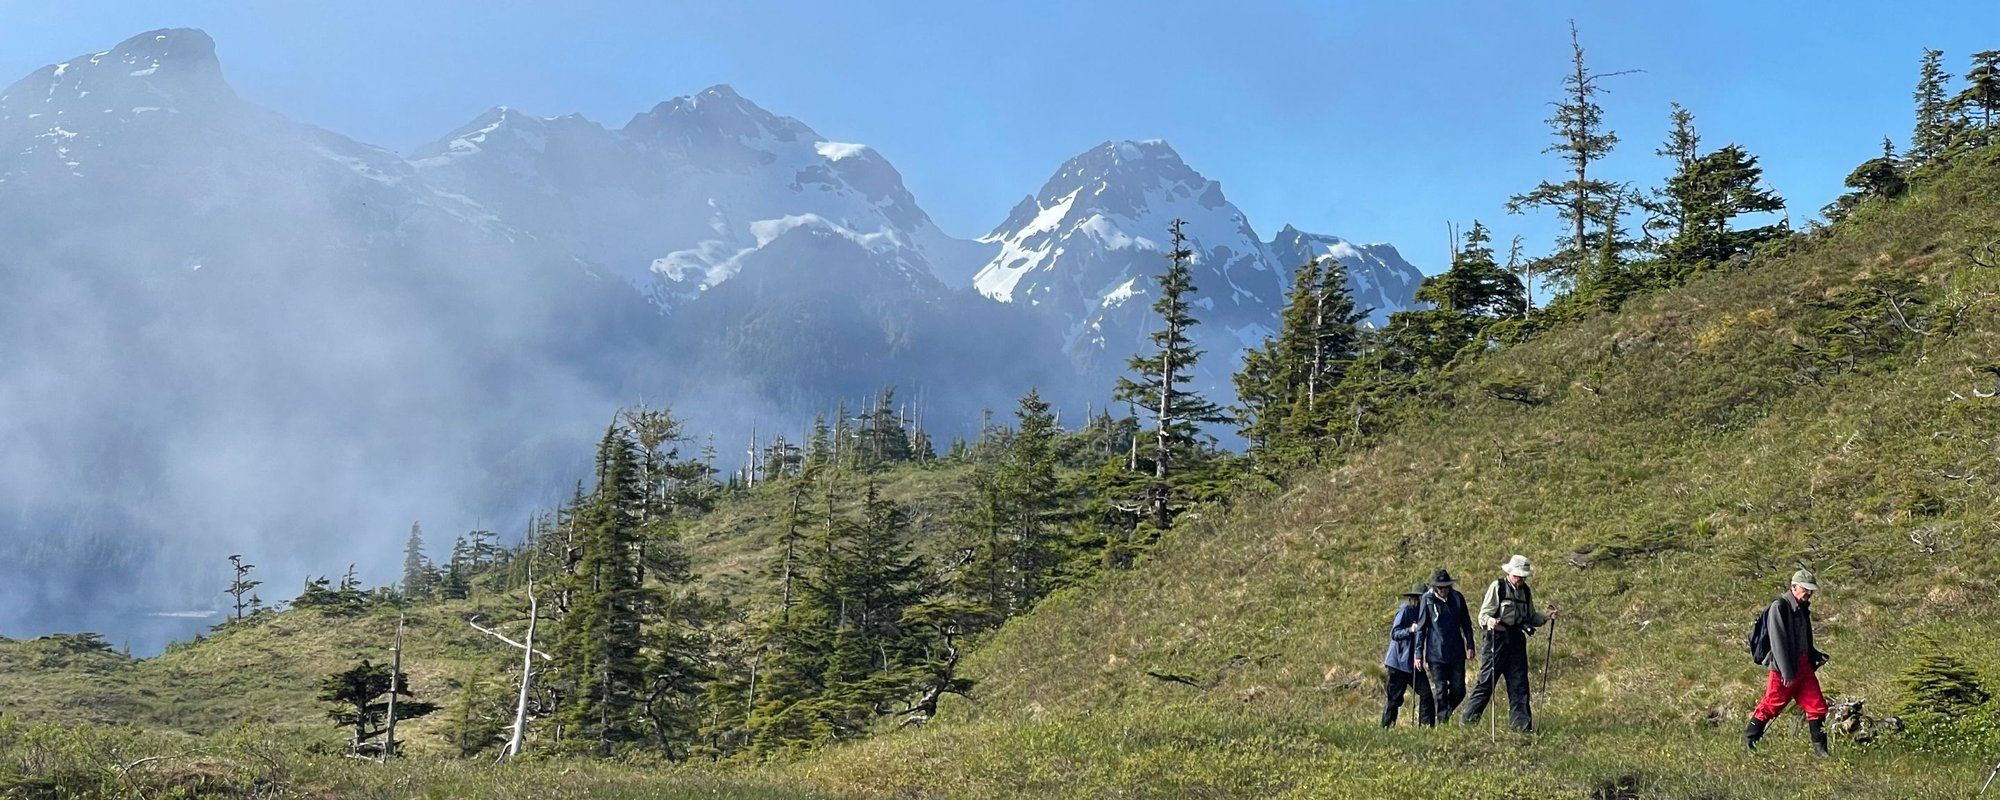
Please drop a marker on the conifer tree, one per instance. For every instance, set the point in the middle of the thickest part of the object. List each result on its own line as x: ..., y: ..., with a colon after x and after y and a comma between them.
x: 1584, y: 201
x: 359, y: 697
x: 1878, y: 178
x: 456, y: 582
x: 416, y: 567
x: 819, y: 449
x: 598, y: 640
x: 1286, y: 386
x: 1524, y: 269
x: 1476, y: 286
x: 1980, y: 100
x: 1158, y: 380
x: 1703, y: 201
x: 1932, y: 134
x: 1014, y: 549
x: 1668, y: 209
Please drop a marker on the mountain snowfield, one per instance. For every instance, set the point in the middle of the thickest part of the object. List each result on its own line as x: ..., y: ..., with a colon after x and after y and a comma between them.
x: 1084, y: 252
x: 219, y: 325
x: 675, y: 199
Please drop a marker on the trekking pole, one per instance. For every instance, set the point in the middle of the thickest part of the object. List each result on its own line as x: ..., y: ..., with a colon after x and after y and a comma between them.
x: 1548, y: 655
x: 1492, y: 720
x: 1989, y: 778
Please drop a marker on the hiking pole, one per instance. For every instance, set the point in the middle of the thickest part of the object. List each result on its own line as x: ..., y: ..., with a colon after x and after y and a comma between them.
x: 1548, y: 655
x: 1989, y: 778
x: 1492, y: 721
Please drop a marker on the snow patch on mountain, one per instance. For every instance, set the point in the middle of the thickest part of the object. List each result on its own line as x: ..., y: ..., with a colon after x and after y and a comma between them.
x: 1381, y: 281
x: 835, y: 151
x: 672, y: 200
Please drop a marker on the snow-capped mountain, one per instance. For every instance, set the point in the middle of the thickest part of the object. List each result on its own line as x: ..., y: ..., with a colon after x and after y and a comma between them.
x: 1377, y: 275
x: 225, y: 331
x: 1084, y: 252
x: 675, y: 200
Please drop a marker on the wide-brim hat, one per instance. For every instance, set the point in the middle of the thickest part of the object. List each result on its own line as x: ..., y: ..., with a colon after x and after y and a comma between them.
x: 1518, y: 566
x: 1441, y: 578
x: 1415, y: 591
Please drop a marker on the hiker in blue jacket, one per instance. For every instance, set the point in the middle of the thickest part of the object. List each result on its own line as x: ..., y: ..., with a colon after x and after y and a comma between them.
x: 1449, y: 641
x: 1401, y: 662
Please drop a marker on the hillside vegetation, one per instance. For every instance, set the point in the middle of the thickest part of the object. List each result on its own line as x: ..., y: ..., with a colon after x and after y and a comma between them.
x: 1681, y: 457
x: 1828, y: 403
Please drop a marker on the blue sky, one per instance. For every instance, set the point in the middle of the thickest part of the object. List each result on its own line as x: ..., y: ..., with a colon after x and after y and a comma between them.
x: 1378, y: 121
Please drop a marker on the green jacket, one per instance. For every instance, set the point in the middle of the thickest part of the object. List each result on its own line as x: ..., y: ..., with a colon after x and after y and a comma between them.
x: 1501, y: 591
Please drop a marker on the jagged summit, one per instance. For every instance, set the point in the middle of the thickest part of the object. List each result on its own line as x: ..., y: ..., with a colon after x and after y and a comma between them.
x: 1085, y: 249
x: 1378, y: 276
x: 714, y: 117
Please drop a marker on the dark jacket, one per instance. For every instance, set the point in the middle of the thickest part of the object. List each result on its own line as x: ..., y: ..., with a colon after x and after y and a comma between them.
x: 1400, y: 656
x: 1788, y: 627
x: 1448, y: 630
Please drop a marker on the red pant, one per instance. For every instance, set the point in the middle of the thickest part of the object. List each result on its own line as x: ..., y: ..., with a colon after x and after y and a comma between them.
x: 1804, y: 688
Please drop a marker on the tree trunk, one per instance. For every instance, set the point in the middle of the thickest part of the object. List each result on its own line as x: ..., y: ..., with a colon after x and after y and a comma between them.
x: 395, y: 687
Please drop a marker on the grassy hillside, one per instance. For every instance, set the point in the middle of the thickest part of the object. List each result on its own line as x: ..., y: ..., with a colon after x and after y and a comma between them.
x: 1820, y: 406
x: 1687, y: 454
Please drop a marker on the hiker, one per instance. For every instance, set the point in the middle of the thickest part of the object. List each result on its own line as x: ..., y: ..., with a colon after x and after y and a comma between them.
x: 1401, y: 661
x: 1448, y: 642
x: 1508, y: 616
x: 1793, y: 661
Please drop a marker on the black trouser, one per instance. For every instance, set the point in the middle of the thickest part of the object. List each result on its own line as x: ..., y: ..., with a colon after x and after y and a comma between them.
x: 1506, y: 655
x: 1448, y: 684
x: 1400, y: 680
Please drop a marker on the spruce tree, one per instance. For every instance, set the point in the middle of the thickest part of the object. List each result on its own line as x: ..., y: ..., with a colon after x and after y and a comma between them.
x: 416, y: 567
x: 598, y: 640
x: 1584, y: 201
x: 1879, y: 178
x: 1668, y: 208
x: 1931, y: 136
x: 1980, y: 99
x: 1476, y: 286
x: 1706, y: 197
x: 1014, y: 548
x: 1158, y: 380
x: 1286, y: 386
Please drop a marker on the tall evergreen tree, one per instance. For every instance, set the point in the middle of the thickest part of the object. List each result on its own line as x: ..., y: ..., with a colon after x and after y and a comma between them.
x: 417, y: 571
x: 1584, y: 201
x: 840, y: 657
x: 1159, y: 379
x: 1931, y: 135
x: 1014, y: 548
x: 1667, y: 209
x: 1286, y: 387
x: 598, y: 640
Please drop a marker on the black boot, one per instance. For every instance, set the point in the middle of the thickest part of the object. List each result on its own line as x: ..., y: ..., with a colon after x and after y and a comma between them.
x: 1818, y: 730
x: 1753, y: 733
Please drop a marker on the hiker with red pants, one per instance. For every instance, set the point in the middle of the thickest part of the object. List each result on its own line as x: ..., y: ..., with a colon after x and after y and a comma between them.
x: 1405, y: 670
x: 1794, y: 663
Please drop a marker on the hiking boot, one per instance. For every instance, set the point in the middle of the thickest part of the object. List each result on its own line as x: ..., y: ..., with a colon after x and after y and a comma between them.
x: 1753, y: 733
x: 1818, y: 730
